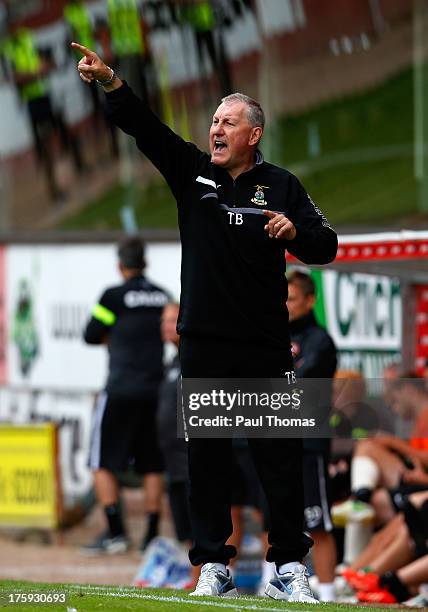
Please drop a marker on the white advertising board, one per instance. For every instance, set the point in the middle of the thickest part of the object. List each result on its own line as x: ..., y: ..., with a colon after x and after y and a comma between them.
x: 50, y: 292
x: 363, y: 313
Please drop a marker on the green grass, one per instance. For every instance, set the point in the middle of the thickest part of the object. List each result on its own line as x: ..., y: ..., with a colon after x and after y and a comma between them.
x: 87, y: 598
x: 380, y: 117
x: 367, y: 192
x: 363, y: 174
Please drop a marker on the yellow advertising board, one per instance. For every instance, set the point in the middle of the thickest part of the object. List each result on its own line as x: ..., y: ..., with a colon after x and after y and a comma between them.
x: 29, y: 491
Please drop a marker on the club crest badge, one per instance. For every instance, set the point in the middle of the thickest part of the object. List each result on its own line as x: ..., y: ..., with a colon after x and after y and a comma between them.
x: 259, y: 196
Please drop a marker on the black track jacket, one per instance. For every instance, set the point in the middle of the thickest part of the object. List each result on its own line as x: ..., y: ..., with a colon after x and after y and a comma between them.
x: 314, y: 352
x: 127, y: 317
x: 315, y: 356
x: 232, y: 274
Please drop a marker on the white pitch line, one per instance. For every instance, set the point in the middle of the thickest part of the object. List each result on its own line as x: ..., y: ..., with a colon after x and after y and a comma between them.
x: 25, y: 570
x: 94, y: 590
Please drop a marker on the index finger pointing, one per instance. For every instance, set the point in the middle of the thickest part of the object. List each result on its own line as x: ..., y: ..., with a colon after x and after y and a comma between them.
x: 269, y: 214
x: 83, y: 49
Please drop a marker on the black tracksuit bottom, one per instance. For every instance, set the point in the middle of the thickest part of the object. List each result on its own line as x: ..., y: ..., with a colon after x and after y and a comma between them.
x: 278, y: 461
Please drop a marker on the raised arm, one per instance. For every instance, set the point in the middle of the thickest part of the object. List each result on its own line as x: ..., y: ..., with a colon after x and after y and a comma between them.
x: 172, y: 156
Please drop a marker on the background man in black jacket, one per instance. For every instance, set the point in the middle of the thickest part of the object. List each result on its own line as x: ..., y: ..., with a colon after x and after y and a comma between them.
x: 127, y: 319
x: 237, y: 215
x: 314, y: 355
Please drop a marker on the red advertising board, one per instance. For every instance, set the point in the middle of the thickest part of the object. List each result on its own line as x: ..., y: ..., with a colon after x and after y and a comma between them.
x: 421, y: 329
x: 3, y: 369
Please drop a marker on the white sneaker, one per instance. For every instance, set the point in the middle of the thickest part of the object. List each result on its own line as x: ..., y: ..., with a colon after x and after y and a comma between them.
x: 420, y: 600
x: 292, y: 586
x: 215, y: 582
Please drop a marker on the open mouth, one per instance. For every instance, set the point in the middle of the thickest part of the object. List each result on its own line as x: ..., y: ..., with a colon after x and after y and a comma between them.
x: 219, y: 145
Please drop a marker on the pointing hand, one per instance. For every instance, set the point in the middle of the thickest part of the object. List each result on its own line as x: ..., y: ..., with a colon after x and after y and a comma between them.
x: 279, y: 226
x: 91, y: 67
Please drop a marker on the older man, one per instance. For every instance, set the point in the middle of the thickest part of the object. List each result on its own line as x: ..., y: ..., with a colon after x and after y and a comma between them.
x: 237, y: 215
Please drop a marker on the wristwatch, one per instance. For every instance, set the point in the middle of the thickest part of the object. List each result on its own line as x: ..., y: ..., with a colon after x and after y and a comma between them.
x: 110, y: 80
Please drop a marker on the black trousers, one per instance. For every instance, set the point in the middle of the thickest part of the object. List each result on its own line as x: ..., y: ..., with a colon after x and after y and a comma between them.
x: 178, y: 493
x: 278, y: 461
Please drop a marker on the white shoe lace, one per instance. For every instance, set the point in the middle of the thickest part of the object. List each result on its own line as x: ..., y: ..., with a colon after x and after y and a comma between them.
x: 301, y: 579
x: 206, y: 578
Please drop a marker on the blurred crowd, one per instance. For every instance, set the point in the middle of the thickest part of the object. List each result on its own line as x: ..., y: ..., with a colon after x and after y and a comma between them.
x: 385, y: 520
x: 377, y: 491
x: 119, y: 31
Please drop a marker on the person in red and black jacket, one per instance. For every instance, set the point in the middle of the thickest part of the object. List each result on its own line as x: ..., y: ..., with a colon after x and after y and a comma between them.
x: 315, y: 356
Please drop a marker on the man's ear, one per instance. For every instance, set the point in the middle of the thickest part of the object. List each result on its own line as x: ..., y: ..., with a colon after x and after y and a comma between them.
x: 256, y: 134
x: 312, y: 300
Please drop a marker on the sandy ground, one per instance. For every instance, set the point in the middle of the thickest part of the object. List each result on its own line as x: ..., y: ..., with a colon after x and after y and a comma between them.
x: 60, y: 560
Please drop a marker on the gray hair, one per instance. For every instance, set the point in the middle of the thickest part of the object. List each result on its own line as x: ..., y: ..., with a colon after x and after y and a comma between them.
x: 255, y: 114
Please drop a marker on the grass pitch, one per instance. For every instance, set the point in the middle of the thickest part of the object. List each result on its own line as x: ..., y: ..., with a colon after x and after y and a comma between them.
x: 89, y: 598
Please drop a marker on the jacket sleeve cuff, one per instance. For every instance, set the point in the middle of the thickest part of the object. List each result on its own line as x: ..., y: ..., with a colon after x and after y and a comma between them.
x: 297, y: 238
x: 121, y: 92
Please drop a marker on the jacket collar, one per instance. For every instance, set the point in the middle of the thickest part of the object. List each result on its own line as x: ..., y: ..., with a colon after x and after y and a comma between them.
x: 259, y: 159
x: 299, y: 325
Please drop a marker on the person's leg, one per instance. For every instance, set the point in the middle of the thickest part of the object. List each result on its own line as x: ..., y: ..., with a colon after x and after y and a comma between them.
x: 69, y: 140
x: 278, y: 463
x: 41, y: 125
x: 383, y: 506
x: 235, y: 539
x: 402, y: 582
x: 374, y: 465
x: 153, y: 488
x: 178, y: 493
x: 106, y: 487
x: 279, y: 466
x: 107, y: 494
x: 244, y: 484
x: 317, y: 519
x: 109, y: 453
x: 324, y: 559
x: 210, y: 491
x: 399, y: 552
x: 210, y: 500
x: 209, y: 462
x: 148, y: 461
x: 379, y: 542
x: 414, y: 573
